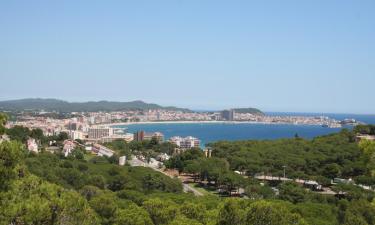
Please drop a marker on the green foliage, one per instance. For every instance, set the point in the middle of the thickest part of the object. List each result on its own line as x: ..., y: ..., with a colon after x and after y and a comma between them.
x: 49, y: 189
x: 329, y: 156
x: 121, y: 147
x: 18, y: 133
x: 159, y: 182
x: 37, y: 134
x: 362, y: 210
x: 264, y: 213
x: 181, y: 220
x: 317, y: 213
x: 364, y: 129
x: 62, y: 136
x: 132, y: 215
x: 292, y: 192
x: 11, y: 154
x: 161, y: 211
x: 231, y: 213
x: 33, y: 201
x: 104, y: 204
x: 256, y: 191
x: 194, y: 211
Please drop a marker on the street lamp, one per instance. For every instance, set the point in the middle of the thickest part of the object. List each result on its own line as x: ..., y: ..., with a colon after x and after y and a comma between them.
x: 284, y: 171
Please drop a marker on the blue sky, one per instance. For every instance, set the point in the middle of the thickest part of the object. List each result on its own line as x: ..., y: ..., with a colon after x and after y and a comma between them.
x: 306, y: 56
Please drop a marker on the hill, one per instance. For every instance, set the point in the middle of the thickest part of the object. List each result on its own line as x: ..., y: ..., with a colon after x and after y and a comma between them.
x: 33, y: 104
x: 249, y: 110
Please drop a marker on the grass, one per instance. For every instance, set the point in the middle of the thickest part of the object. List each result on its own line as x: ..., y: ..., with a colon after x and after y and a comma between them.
x: 88, y: 157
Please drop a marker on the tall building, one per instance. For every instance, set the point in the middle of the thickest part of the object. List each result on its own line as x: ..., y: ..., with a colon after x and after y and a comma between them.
x: 99, y: 132
x: 187, y: 142
x: 139, y: 136
x: 228, y: 114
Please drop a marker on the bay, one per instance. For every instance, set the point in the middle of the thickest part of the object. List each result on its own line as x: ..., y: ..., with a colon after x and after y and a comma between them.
x: 211, y: 132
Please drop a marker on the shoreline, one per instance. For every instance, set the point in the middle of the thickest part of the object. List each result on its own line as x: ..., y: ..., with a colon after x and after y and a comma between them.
x: 207, y: 122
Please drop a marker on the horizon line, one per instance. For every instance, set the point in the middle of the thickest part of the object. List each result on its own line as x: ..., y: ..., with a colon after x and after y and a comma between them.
x: 189, y: 107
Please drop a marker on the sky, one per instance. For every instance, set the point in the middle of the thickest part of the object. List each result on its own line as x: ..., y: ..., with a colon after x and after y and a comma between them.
x: 294, y: 56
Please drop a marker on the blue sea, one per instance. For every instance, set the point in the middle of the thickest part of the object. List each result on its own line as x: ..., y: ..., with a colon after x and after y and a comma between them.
x: 211, y: 132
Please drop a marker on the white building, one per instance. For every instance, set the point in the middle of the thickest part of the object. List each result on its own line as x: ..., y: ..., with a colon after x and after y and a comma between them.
x: 187, y: 142
x: 99, y: 132
x: 128, y: 137
x: 74, y: 135
x: 69, y: 146
x: 122, y: 160
x: 32, y: 146
x: 162, y: 157
x: 102, y: 150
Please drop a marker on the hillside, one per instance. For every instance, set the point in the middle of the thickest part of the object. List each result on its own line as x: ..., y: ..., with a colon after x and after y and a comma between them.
x: 64, y: 106
x: 249, y: 110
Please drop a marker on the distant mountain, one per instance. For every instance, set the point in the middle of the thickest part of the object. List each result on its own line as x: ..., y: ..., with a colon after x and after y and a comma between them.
x: 249, y: 110
x: 37, y: 104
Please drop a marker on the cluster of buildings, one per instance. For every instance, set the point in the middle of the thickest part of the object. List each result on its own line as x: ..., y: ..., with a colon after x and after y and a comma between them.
x: 90, y: 125
x: 95, y: 127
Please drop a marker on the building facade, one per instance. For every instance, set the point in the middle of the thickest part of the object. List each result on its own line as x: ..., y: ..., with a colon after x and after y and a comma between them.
x: 144, y: 136
x: 228, y: 114
x: 185, y: 143
x: 99, y: 132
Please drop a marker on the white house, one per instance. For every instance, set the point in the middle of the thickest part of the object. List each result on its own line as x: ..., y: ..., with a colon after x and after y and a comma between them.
x: 69, y: 146
x: 32, y: 146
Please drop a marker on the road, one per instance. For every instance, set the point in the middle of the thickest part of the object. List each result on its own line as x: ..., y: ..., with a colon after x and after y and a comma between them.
x: 136, y: 162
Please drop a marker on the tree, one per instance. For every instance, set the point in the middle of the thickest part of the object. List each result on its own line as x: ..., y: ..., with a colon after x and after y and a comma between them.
x: 351, y: 219
x: 3, y: 121
x: 368, y: 149
x: 194, y: 211
x: 33, y: 201
x: 362, y: 129
x: 89, y: 192
x: 332, y: 170
x: 265, y: 213
x: 132, y: 215
x: 291, y: 192
x: 97, y: 180
x: 37, y: 134
x: 231, y: 181
x: 11, y: 155
x: 77, y: 153
x: 181, y: 220
x: 105, y: 205
x: 161, y: 211
x: 18, y: 133
x: 259, y: 192
x: 231, y: 213
x: 62, y: 136
x: 193, y: 167
x: 118, y: 182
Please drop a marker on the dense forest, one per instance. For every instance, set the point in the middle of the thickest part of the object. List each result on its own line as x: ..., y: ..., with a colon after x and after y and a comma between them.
x: 48, y: 188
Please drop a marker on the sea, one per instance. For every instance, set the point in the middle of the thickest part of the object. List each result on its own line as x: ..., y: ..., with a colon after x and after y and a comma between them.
x: 212, y: 132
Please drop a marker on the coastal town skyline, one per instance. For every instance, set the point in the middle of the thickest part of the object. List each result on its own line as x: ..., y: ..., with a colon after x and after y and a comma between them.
x: 178, y: 106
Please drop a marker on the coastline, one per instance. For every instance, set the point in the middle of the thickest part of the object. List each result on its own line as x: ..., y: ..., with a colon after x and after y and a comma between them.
x: 204, y: 122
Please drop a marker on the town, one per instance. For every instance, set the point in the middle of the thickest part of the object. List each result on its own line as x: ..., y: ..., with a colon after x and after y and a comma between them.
x: 98, y: 126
